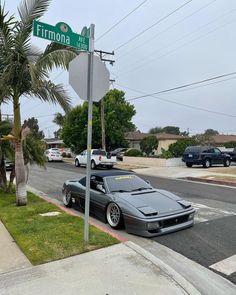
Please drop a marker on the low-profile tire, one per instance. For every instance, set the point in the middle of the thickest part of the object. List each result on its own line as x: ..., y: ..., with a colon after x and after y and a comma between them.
x: 227, y: 162
x: 67, y: 199
x: 114, y: 216
x: 109, y: 166
x: 207, y: 163
x: 189, y: 165
x: 93, y: 165
x: 77, y: 164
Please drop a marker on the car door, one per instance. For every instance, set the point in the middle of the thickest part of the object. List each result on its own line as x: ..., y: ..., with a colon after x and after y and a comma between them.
x: 83, y: 158
x: 218, y: 156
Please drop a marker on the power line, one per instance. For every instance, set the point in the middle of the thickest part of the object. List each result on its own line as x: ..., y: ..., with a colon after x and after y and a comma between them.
x: 117, y: 23
x: 184, y: 86
x: 146, y: 61
x: 167, y: 29
x: 153, y: 25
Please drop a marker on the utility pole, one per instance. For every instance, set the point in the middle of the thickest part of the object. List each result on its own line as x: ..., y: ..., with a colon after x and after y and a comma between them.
x: 101, y: 54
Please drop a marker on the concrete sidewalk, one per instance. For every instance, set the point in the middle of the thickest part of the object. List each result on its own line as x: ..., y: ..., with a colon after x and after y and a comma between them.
x: 11, y: 257
x: 121, y: 269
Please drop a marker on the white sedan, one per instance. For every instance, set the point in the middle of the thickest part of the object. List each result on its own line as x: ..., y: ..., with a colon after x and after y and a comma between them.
x: 53, y: 155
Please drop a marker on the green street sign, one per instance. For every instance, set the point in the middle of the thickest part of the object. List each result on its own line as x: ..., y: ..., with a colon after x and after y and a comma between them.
x: 60, y: 33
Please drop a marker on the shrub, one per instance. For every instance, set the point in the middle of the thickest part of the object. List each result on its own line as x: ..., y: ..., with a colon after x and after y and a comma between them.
x: 68, y: 155
x: 230, y: 144
x: 166, y: 154
x: 177, y: 148
x: 133, y: 153
x: 63, y: 154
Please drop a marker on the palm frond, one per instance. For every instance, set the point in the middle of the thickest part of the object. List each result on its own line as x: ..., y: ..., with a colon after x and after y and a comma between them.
x: 32, y: 9
x: 7, y: 22
x: 52, y: 93
x: 34, y: 151
x: 57, y: 55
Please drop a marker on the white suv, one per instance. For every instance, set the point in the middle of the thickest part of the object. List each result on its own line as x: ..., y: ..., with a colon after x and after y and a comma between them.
x: 53, y: 154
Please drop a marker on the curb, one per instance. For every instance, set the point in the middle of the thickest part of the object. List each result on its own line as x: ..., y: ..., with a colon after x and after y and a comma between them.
x: 220, y: 182
x: 68, y: 211
x: 170, y: 272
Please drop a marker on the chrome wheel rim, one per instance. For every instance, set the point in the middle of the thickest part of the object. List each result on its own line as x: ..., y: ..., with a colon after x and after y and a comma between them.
x: 92, y: 165
x: 208, y: 164
x: 66, y: 198
x: 76, y: 163
x: 113, y: 214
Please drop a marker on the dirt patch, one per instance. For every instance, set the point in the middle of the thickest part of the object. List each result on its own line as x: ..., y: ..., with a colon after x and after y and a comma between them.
x: 220, y: 177
x: 128, y: 167
x: 224, y: 170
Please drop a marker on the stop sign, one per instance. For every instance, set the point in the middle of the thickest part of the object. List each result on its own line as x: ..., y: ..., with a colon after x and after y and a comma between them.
x: 78, y: 77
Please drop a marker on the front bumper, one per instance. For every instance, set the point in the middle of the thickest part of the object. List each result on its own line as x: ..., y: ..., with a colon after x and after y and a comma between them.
x: 167, y: 224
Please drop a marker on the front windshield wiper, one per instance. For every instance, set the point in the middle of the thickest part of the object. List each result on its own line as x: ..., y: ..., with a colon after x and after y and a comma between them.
x: 120, y: 191
x: 141, y: 188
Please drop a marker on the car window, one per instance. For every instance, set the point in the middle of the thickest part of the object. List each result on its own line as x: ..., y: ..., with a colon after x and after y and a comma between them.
x: 127, y: 182
x: 83, y: 181
x: 193, y: 149
x: 99, y: 152
x: 97, y: 184
x: 217, y: 151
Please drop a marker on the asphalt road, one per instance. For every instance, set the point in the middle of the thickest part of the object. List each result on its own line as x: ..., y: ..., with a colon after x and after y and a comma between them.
x: 213, y: 237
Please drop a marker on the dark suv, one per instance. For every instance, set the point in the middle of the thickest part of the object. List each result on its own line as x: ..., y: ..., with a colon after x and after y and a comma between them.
x: 206, y: 156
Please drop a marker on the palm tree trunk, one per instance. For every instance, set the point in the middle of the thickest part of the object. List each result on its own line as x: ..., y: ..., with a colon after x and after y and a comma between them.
x: 21, y: 193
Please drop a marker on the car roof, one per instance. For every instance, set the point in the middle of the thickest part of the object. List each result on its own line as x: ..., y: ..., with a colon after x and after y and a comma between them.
x: 110, y: 173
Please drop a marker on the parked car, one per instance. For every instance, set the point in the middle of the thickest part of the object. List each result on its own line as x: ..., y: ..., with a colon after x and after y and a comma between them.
x: 232, y: 154
x: 119, y: 153
x: 53, y: 154
x: 125, y: 200
x: 206, y: 156
x: 99, y: 158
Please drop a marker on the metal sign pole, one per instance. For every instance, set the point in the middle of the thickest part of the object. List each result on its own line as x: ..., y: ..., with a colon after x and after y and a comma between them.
x: 89, y: 132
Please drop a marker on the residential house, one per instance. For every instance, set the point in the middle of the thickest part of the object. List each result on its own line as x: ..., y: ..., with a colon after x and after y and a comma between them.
x: 164, y: 140
x: 221, y: 139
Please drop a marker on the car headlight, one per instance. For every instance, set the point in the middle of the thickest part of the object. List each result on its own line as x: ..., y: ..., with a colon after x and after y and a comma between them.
x: 191, y: 216
x: 153, y: 225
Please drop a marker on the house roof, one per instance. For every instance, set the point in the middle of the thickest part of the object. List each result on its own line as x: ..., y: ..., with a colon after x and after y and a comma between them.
x: 53, y: 140
x: 161, y: 136
x: 222, y: 138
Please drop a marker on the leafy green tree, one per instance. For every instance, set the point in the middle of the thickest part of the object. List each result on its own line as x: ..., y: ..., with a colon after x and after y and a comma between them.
x: 155, y: 130
x: 171, y: 130
x: 32, y: 123
x: 210, y: 132
x: 177, y: 148
x: 24, y: 71
x: 166, y: 129
x: 59, y: 119
x: 148, y: 144
x: 118, y: 115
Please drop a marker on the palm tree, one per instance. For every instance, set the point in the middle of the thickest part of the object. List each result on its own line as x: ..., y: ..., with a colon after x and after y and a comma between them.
x: 24, y: 71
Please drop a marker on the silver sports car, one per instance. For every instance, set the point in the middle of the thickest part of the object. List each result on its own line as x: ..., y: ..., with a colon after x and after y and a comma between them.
x: 125, y: 200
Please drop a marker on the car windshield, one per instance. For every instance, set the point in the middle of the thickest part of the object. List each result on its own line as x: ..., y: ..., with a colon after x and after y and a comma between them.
x: 99, y: 152
x: 193, y: 149
x: 126, y: 183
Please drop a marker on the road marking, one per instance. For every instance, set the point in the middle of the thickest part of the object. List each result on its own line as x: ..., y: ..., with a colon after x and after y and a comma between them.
x: 226, y: 266
x: 205, y: 213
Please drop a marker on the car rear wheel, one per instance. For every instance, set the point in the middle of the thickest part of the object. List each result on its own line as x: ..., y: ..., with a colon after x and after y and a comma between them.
x: 227, y: 162
x: 77, y: 164
x: 67, y: 199
x: 114, y: 216
x: 207, y: 163
x: 93, y: 164
x: 189, y: 165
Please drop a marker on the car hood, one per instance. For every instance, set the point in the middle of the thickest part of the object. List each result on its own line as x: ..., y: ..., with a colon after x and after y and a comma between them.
x: 155, y: 202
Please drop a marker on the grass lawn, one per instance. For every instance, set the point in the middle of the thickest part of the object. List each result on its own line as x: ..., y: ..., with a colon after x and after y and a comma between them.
x: 44, y: 238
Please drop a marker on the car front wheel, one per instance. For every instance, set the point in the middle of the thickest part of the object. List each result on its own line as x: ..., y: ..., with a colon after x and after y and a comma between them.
x: 189, y: 165
x: 67, y: 199
x: 207, y: 163
x: 77, y: 164
x: 227, y: 162
x: 114, y: 216
x: 93, y: 165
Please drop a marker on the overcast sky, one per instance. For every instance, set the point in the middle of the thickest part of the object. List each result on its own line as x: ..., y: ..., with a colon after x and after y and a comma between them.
x: 194, y: 43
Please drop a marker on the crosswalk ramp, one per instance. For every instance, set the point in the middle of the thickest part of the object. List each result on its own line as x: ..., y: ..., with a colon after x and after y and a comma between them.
x: 205, y: 213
